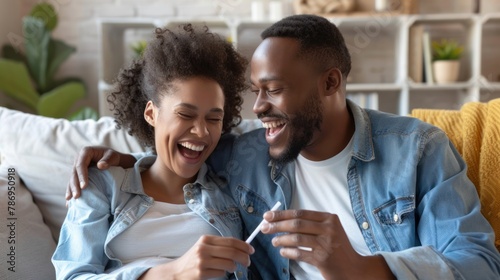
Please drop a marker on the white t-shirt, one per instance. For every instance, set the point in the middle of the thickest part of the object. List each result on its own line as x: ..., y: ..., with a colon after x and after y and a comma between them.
x: 164, y: 233
x: 322, y: 186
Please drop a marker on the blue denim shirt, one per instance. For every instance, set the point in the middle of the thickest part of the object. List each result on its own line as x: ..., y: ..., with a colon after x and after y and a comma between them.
x: 114, y: 200
x: 409, y: 192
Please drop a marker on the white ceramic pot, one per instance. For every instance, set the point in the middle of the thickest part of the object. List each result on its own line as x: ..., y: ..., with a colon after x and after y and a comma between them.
x: 446, y: 71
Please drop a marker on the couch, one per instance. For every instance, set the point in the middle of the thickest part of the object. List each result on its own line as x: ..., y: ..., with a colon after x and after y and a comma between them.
x: 36, y: 158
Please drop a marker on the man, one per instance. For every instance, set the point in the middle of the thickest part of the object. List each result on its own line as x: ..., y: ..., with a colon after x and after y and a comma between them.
x: 367, y: 195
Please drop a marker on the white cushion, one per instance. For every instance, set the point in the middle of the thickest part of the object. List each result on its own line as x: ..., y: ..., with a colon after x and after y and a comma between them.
x: 23, y: 229
x: 42, y: 150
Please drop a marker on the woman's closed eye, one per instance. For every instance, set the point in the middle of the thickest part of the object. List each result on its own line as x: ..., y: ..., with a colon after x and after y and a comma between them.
x: 186, y: 116
x: 215, y: 118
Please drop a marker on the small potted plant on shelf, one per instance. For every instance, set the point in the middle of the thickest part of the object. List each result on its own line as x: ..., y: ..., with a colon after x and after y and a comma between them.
x: 446, y: 56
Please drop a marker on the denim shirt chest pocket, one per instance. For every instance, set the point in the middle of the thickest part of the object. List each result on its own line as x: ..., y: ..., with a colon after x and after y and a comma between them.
x: 252, y: 207
x: 251, y: 203
x: 215, y: 207
x: 396, y: 219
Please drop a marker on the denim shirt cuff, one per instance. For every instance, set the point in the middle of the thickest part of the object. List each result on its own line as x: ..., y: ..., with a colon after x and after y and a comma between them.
x: 419, y: 263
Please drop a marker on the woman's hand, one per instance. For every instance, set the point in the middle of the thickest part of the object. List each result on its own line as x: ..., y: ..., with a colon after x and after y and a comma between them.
x: 210, y: 256
x: 104, y: 157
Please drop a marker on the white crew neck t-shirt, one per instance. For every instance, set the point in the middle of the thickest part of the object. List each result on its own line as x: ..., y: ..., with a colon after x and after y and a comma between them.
x: 164, y: 233
x: 322, y: 186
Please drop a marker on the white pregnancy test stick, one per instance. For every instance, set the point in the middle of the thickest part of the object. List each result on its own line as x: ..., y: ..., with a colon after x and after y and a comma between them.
x: 257, y: 229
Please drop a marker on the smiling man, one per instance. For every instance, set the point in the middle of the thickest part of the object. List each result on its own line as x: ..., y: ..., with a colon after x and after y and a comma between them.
x: 365, y: 194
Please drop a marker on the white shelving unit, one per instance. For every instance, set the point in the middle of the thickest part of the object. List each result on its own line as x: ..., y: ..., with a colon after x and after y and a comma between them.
x: 386, y: 55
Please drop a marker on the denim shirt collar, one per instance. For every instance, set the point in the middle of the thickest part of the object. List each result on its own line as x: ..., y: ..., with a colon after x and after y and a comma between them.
x: 202, y: 178
x: 363, y: 140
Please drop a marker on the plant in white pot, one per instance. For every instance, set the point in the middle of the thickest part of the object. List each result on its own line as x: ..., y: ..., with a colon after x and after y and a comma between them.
x: 446, y: 55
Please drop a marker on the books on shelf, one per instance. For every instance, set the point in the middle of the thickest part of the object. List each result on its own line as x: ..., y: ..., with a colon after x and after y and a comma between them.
x: 365, y: 100
x: 426, y: 46
x: 415, y: 58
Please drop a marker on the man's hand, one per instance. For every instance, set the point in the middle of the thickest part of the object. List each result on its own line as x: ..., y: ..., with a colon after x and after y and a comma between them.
x: 210, y: 257
x: 331, y: 253
x: 105, y: 157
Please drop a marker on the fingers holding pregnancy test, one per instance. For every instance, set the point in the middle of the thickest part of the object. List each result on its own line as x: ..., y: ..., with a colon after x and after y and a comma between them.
x: 303, y: 229
x: 257, y: 229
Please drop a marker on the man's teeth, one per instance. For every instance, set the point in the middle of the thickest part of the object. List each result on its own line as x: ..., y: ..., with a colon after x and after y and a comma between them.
x: 192, y: 146
x: 273, y: 124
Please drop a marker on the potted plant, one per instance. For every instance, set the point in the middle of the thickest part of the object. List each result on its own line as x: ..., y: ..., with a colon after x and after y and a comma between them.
x: 446, y: 56
x: 138, y: 48
x: 29, y: 76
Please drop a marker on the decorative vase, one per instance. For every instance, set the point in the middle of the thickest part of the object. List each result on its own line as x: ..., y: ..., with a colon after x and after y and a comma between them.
x: 446, y: 71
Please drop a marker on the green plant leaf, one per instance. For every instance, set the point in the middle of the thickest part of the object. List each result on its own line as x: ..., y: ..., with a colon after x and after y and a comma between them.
x: 58, y: 53
x: 139, y: 47
x: 84, y: 113
x: 37, y: 43
x: 59, y: 82
x: 57, y: 102
x: 15, y: 81
x: 47, y: 14
x: 9, y: 52
x: 446, y: 50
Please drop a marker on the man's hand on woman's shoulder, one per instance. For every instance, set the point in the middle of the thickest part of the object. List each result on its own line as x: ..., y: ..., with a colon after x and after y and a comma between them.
x: 103, y: 157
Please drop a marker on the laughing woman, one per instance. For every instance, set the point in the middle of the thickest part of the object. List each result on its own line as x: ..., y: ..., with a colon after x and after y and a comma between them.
x: 167, y: 217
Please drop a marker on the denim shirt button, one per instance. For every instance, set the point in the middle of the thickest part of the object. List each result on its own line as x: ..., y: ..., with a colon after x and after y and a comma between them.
x: 250, y: 209
x: 211, y: 221
x: 396, y: 217
x: 365, y: 225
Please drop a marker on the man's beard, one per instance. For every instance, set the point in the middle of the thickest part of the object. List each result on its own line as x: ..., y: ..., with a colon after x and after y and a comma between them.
x: 302, y: 128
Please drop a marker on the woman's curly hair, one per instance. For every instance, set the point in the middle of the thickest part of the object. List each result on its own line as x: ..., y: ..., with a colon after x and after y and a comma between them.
x: 177, y: 55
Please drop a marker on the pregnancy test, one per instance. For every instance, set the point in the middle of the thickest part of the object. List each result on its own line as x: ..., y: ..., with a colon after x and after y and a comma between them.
x: 257, y: 229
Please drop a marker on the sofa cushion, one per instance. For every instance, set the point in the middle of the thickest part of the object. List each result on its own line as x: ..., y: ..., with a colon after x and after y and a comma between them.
x: 42, y: 150
x: 27, y: 243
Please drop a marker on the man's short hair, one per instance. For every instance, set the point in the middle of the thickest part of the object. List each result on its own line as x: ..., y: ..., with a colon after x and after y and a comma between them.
x: 319, y: 39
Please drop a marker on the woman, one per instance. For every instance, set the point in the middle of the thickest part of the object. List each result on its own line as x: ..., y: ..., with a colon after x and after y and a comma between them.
x: 167, y: 217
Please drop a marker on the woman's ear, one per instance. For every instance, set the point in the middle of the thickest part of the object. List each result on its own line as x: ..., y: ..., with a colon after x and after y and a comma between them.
x: 333, y: 81
x: 150, y: 113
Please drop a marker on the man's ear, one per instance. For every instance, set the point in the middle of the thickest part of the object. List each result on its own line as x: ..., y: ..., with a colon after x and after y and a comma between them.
x: 150, y: 113
x: 332, y: 81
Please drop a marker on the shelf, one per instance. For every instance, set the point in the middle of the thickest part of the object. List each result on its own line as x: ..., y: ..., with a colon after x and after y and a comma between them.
x: 440, y: 87
x: 490, y: 86
x: 459, y: 27
x: 386, y: 52
x: 115, y: 38
x: 446, y: 99
x: 489, y: 92
x: 375, y: 49
x: 353, y: 87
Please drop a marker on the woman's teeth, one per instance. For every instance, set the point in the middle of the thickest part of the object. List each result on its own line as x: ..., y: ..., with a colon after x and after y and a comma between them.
x: 191, y: 146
